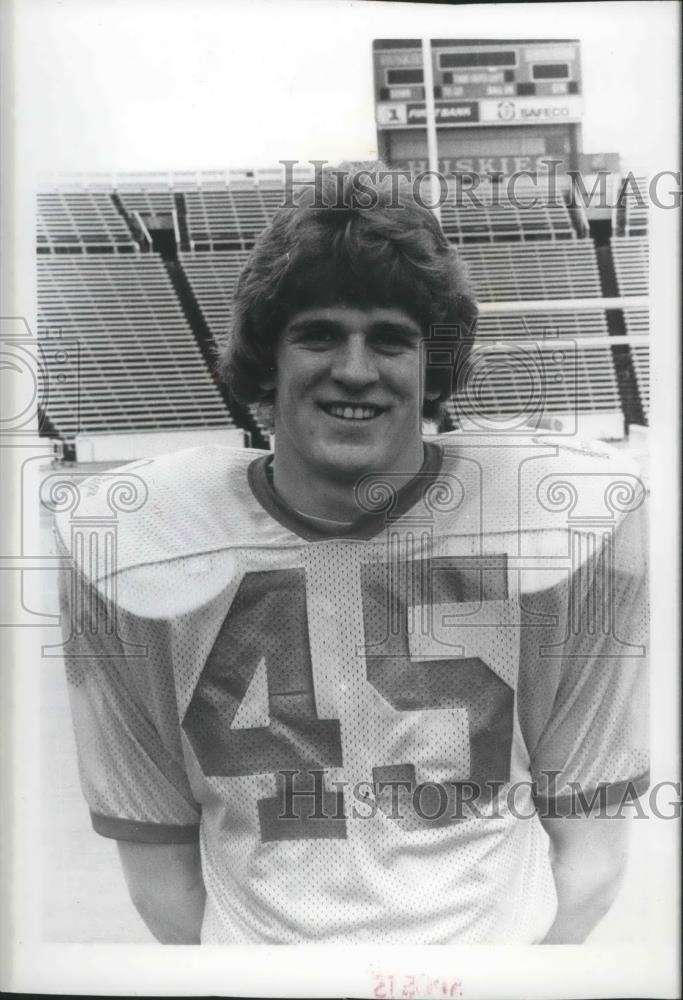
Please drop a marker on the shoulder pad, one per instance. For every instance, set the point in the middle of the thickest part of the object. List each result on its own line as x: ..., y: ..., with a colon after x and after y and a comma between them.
x: 530, y: 483
x: 176, y: 505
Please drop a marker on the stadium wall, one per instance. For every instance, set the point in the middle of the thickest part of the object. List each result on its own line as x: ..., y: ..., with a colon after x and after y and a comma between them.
x: 129, y: 447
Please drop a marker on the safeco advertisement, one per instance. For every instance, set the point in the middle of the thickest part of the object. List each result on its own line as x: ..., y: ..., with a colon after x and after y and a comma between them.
x: 527, y: 110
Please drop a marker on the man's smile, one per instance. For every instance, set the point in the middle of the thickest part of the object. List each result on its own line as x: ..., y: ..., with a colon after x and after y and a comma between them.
x: 358, y: 412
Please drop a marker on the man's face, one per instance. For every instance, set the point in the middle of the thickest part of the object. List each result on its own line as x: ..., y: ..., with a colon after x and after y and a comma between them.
x: 349, y: 392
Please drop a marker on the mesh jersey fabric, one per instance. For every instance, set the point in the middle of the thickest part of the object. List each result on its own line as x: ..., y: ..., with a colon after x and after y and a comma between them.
x: 303, y: 706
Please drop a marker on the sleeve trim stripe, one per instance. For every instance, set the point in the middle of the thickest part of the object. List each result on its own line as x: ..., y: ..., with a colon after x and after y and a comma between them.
x: 606, y: 793
x: 143, y: 833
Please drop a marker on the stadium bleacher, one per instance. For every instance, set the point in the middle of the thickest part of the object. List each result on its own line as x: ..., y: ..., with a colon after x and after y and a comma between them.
x: 632, y: 199
x: 640, y: 354
x: 509, y: 271
x: 516, y: 381
x: 143, y: 364
x: 81, y: 220
x: 120, y: 353
x: 213, y: 277
x: 231, y: 216
x: 631, y: 263
x: 542, y: 325
x: 631, y: 257
x: 637, y: 322
x: 485, y: 216
x: 148, y: 200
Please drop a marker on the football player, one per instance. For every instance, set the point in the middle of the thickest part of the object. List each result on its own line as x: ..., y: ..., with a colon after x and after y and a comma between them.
x: 371, y: 686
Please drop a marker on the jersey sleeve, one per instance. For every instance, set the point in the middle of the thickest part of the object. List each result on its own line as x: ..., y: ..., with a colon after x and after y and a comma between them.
x: 129, y: 750
x: 595, y: 739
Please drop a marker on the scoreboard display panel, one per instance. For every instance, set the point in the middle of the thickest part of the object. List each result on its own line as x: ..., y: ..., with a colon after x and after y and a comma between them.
x: 478, y: 82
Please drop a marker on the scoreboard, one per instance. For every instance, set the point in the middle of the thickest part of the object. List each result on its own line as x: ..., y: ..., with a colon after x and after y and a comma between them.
x: 508, y: 83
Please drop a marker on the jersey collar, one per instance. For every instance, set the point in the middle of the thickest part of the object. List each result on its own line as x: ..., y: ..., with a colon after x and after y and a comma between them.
x: 367, y: 525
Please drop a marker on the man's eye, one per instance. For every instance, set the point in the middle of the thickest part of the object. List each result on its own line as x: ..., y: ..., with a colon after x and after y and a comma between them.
x: 316, y: 335
x: 392, y: 340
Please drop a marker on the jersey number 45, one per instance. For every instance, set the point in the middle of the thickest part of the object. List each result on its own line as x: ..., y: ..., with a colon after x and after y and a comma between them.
x: 268, y: 623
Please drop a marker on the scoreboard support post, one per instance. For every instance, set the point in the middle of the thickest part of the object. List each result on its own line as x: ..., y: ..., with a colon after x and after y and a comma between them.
x: 432, y: 150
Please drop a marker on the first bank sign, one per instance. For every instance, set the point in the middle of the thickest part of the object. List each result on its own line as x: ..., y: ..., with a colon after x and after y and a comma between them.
x: 530, y: 110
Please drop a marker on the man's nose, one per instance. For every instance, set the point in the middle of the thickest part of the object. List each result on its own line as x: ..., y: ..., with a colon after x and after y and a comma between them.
x: 354, y: 364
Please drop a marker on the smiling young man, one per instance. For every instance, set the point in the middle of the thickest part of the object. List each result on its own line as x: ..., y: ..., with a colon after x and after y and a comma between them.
x: 358, y: 689
x: 348, y: 403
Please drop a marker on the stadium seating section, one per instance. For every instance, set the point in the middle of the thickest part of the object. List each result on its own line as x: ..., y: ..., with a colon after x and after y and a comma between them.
x: 542, y: 325
x: 131, y: 356
x: 148, y: 202
x: 213, y: 277
x: 637, y: 322
x: 631, y: 262
x: 119, y: 351
x: 641, y: 363
x: 631, y: 205
x: 483, y: 216
x: 513, y: 271
x: 76, y: 220
x: 230, y: 216
x: 517, y: 381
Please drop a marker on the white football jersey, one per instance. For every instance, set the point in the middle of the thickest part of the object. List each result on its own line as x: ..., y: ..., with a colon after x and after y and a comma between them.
x: 361, y: 729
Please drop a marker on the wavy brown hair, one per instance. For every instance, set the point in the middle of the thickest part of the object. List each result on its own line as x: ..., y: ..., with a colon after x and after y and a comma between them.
x: 359, y: 237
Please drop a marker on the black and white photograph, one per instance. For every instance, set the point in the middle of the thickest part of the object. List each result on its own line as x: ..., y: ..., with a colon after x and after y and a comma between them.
x: 340, y: 443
